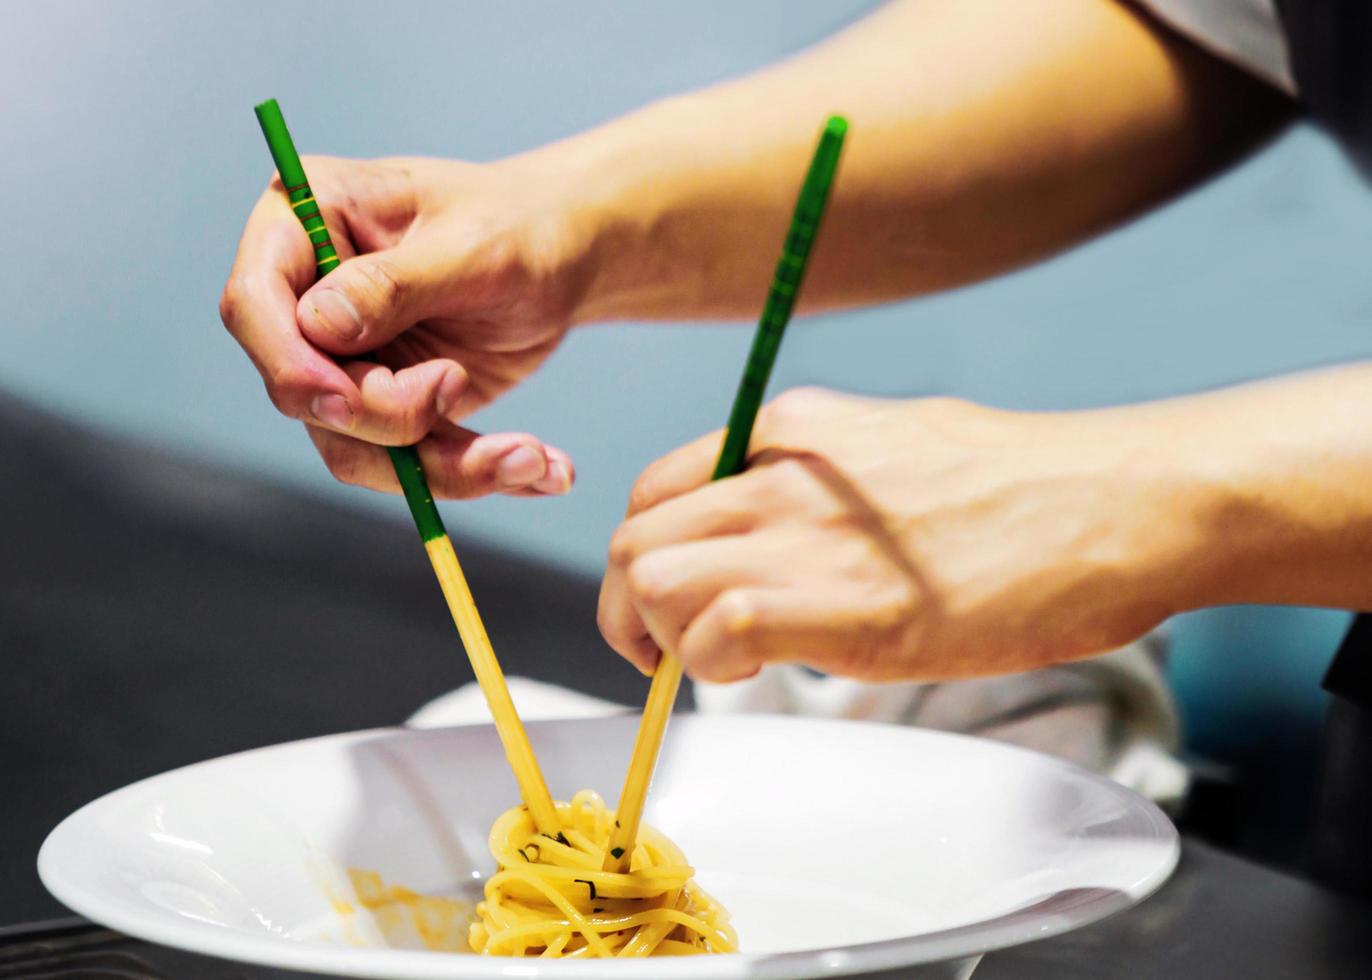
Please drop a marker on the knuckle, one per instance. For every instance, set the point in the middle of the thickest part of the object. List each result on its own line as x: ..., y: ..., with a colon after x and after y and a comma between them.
x: 797, y: 403
x: 789, y: 472
x: 781, y: 478
x: 623, y: 546
x: 737, y: 612
x: 380, y: 283
x: 605, y: 618
x: 410, y: 421
x: 738, y: 635
x: 279, y: 401
x: 345, y: 470
x: 322, y: 170
x: 739, y: 670
x: 286, y: 388
x: 342, y: 461
x: 644, y: 493
x: 449, y: 477
x: 712, y: 671
x: 724, y: 664
x: 647, y: 581
x: 328, y: 179
x: 231, y: 302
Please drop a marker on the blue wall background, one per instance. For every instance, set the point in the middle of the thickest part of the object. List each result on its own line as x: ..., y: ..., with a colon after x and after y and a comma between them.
x: 131, y: 158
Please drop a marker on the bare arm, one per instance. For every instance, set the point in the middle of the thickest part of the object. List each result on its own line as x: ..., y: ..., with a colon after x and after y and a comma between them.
x: 986, y: 134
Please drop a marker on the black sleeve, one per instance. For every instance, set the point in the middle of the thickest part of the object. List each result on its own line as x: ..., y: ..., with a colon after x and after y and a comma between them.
x: 1350, y: 675
x: 1331, y: 57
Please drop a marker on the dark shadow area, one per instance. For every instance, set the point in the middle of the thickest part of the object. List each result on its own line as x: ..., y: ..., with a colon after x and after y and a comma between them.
x: 1341, y: 856
x: 1218, y: 916
x: 156, y: 611
x: 1247, y: 681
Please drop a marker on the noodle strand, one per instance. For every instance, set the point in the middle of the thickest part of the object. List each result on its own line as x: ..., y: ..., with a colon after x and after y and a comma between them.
x: 550, y: 897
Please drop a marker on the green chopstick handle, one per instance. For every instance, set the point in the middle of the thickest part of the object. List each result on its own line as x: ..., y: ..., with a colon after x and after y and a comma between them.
x: 781, y: 297
x: 405, y: 459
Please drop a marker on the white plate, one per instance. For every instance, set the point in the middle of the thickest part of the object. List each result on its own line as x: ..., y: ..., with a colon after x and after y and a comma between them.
x: 839, y: 847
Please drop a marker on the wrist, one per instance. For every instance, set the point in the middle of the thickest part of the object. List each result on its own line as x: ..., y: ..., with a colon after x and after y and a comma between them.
x: 609, y: 189
x: 1261, y: 491
x: 1234, y: 532
x: 675, y: 223
x: 1169, y: 536
x: 559, y: 235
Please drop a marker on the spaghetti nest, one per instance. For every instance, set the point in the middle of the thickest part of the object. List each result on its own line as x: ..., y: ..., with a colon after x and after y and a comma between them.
x: 551, y: 898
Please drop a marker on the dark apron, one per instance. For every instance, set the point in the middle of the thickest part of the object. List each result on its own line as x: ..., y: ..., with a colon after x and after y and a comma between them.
x: 1341, y: 851
x: 1331, y: 58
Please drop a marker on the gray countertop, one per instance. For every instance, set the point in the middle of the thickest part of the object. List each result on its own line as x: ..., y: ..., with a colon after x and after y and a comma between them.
x: 1218, y: 917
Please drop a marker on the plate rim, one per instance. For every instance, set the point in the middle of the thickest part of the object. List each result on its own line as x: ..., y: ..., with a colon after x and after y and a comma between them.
x: 1049, y: 915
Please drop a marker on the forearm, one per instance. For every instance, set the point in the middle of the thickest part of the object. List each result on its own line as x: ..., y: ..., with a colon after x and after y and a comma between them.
x: 986, y: 134
x: 1273, y: 501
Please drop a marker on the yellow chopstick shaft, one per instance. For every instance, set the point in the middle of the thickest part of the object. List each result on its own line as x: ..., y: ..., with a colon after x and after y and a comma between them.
x: 776, y: 312
x: 492, y: 681
x: 656, y: 710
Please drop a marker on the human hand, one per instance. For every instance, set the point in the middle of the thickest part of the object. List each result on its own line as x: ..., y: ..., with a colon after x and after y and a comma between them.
x: 885, y: 540
x: 460, y: 277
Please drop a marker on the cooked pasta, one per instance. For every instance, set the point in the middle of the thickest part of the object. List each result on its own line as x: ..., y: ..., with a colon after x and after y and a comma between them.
x: 551, y: 898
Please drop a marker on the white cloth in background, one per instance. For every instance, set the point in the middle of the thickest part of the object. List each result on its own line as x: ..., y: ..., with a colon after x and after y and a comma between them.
x: 534, y: 700
x: 1245, y: 32
x: 1111, y: 714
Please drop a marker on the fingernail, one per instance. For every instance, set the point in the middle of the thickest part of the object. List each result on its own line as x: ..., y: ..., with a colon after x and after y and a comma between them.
x: 332, y: 311
x: 558, y: 479
x: 520, y: 467
x: 333, y: 411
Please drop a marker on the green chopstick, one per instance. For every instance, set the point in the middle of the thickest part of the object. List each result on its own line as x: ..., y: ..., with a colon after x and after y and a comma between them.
x: 408, y: 470
x: 781, y: 297
x: 733, y: 455
x: 405, y: 459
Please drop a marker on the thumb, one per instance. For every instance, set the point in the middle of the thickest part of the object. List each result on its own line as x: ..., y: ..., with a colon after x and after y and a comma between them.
x: 370, y: 299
